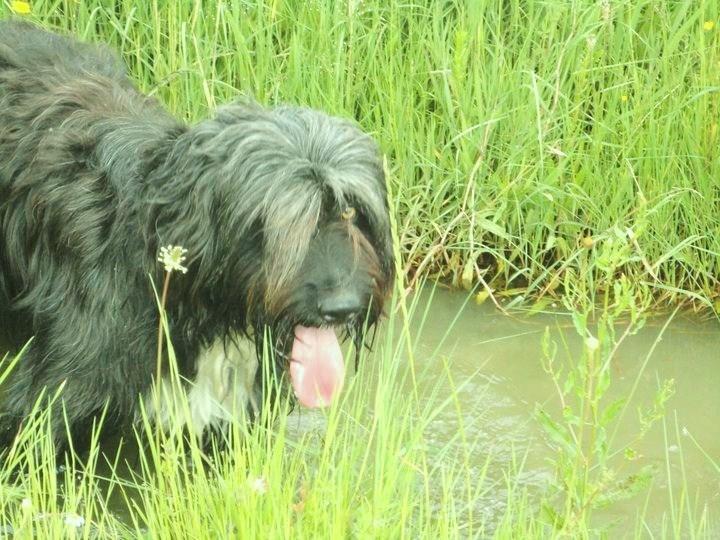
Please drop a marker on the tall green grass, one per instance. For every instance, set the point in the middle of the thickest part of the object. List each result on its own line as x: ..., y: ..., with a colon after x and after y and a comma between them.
x: 522, y: 136
x: 535, y: 149
x: 364, y: 470
x: 365, y: 473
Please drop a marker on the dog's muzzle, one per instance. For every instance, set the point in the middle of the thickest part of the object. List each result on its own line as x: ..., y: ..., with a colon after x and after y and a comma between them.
x: 339, y: 306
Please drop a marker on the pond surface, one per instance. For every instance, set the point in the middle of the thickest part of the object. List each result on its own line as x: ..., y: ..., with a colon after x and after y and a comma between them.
x: 494, y: 361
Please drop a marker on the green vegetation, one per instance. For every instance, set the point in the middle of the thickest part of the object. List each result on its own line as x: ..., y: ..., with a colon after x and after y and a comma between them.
x: 526, y: 140
x: 536, y: 149
x: 366, y: 471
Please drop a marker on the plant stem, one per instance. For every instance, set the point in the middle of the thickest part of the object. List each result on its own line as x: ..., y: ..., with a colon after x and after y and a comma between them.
x: 163, y: 299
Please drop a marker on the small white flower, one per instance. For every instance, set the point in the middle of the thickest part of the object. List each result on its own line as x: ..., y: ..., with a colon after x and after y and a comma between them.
x: 172, y: 258
x: 259, y: 485
x: 73, y: 520
x: 605, y: 10
x: 592, y: 343
x: 26, y: 504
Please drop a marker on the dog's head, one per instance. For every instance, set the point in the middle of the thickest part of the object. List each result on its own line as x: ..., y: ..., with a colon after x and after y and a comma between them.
x: 302, y: 231
x: 337, y: 292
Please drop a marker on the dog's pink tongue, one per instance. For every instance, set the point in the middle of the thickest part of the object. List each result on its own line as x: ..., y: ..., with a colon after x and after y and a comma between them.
x: 317, y: 370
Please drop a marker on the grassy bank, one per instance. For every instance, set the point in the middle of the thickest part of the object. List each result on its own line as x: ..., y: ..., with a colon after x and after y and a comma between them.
x: 528, y: 142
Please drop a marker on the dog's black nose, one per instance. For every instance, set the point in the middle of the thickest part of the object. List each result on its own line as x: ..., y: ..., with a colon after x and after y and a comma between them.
x: 339, y: 306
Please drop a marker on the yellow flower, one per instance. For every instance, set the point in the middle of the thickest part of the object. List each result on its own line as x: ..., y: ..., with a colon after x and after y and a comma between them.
x: 172, y: 258
x: 19, y: 7
x: 624, y: 98
x: 708, y: 25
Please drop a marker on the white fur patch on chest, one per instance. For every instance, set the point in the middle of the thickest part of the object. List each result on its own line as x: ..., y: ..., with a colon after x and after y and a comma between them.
x: 223, y: 390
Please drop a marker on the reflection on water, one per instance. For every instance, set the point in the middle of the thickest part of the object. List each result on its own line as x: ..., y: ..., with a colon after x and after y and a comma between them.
x: 494, y: 363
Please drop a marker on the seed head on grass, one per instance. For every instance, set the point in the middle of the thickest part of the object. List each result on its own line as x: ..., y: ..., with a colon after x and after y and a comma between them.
x: 258, y: 484
x: 74, y: 520
x: 172, y: 258
x: 592, y: 343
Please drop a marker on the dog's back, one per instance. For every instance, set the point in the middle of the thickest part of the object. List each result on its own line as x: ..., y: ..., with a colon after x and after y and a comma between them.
x: 24, y: 46
x: 66, y: 108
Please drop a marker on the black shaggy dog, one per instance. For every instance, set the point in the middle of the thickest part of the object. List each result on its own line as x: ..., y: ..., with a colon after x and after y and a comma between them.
x: 283, y: 213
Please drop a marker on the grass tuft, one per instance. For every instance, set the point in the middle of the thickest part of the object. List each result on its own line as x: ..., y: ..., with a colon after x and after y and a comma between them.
x: 525, y: 138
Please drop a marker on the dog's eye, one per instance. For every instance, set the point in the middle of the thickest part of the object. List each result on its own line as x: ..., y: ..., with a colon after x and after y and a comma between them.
x: 348, y: 213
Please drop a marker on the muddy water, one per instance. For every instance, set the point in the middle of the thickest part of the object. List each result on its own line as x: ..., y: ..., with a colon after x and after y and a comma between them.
x: 494, y: 363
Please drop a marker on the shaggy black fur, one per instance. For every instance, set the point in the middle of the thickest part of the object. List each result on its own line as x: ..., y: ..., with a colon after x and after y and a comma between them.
x: 95, y: 177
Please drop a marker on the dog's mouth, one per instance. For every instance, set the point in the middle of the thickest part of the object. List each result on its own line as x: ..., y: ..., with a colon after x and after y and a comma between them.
x: 317, y: 368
